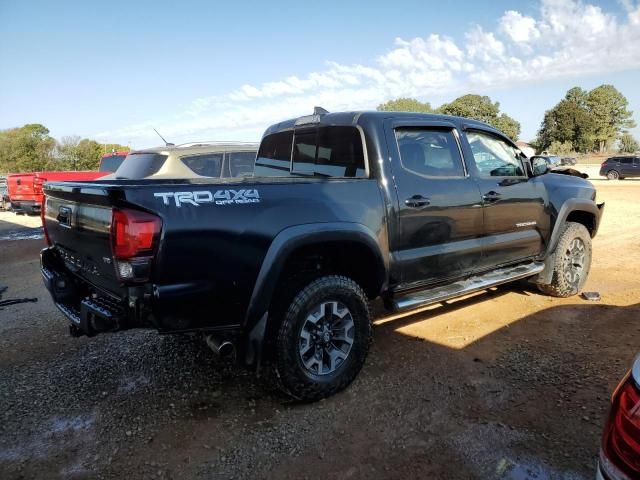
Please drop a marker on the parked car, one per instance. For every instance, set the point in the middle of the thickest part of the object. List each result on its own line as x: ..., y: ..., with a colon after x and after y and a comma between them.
x: 191, y: 160
x: 343, y: 208
x: 111, y: 161
x: 619, y: 168
x: 4, y: 195
x: 25, y: 189
x: 553, y: 161
x: 568, y: 161
x: 620, y: 449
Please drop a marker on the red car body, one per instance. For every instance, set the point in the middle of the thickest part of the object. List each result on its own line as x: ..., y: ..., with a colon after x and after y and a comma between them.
x: 25, y: 189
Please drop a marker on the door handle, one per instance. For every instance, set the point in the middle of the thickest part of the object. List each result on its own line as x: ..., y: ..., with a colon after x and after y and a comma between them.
x: 417, y: 201
x: 491, y: 196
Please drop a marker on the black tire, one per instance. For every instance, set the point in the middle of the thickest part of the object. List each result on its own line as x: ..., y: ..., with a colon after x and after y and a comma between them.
x: 295, y: 378
x: 613, y: 175
x: 568, y: 277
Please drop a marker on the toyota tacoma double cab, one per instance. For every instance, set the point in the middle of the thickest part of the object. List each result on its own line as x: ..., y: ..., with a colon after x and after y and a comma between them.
x: 343, y: 208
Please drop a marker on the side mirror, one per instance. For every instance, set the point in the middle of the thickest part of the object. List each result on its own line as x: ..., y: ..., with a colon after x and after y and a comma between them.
x: 539, y: 166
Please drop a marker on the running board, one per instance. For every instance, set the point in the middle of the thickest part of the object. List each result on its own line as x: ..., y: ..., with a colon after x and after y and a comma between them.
x: 464, y: 287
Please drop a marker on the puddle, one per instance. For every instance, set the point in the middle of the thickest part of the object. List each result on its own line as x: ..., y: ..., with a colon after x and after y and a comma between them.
x: 23, y: 234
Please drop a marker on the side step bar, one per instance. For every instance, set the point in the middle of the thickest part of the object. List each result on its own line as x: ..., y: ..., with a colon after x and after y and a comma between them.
x: 473, y: 284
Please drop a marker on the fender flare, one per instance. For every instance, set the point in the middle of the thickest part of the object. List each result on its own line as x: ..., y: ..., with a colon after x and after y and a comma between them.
x: 570, y: 205
x: 281, y: 247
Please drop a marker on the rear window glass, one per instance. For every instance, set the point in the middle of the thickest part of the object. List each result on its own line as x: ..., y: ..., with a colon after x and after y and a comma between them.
x: 140, y: 165
x: 207, y: 165
x: 274, y: 156
x: 326, y: 151
x: 111, y: 163
x: 241, y: 163
x: 330, y: 151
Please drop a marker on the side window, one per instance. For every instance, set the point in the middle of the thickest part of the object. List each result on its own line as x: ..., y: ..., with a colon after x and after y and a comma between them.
x: 241, y: 163
x: 625, y: 160
x: 274, y: 156
x: 430, y: 152
x: 208, y: 165
x: 493, y: 156
x: 329, y: 151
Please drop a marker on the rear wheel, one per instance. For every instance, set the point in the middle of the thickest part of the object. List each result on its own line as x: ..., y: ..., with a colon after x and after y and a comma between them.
x: 571, y: 262
x: 613, y: 175
x: 323, y: 340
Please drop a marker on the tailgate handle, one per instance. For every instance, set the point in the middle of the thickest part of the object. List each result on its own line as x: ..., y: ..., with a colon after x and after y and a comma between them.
x: 64, y: 216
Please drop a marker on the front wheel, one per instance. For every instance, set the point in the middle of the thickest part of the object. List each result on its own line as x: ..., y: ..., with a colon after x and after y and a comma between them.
x: 571, y: 262
x: 323, y: 340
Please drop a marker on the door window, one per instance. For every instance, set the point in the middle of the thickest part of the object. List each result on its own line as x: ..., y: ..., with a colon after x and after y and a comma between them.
x: 430, y: 152
x: 494, y: 157
x: 241, y: 163
x: 207, y: 165
x: 626, y: 161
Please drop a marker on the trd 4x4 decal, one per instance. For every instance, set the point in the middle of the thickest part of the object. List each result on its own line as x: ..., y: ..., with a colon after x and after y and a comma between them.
x: 220, y: 197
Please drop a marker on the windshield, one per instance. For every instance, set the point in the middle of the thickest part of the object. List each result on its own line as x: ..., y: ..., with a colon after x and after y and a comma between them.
x: 140, y: 165
x: 111, y: 163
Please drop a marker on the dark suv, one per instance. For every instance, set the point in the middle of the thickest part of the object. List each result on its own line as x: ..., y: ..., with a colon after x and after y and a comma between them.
x: 618, y: 168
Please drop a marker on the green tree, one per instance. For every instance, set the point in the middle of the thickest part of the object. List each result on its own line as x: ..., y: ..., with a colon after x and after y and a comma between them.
x: 483, y: 109
x: 561, y: 148
x: 569, y: 121
x: 628, y: 144
x: 79, y: 154
x: 586, y: 119
x: 405, y: 105
x: 608, y: 108
x: 27, y: 148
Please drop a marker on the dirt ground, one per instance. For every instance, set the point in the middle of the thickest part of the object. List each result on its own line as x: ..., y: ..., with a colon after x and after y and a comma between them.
x: 506, y: 384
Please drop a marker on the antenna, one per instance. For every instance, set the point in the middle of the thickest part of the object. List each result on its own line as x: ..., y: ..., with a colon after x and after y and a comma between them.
x: 167, y: 144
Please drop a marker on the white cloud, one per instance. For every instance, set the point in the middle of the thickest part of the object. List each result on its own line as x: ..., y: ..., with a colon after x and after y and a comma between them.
x: 568, y: 38
x: 519, y: 28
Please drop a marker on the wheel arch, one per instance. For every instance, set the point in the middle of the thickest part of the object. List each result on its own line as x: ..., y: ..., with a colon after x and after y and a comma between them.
x: 335, y: 239
x: 585, y: 212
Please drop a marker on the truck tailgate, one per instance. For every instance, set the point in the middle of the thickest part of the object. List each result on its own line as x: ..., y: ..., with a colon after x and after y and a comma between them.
x: 78, y: 224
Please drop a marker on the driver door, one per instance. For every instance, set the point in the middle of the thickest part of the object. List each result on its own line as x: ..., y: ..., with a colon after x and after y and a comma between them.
x: 513, y: 204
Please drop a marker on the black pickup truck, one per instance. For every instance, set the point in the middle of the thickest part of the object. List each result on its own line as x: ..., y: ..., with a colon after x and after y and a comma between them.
x: 342, y: 208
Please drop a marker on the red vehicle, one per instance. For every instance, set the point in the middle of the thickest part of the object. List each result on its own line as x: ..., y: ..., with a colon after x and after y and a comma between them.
x: 620, y: 451
x: 25, y: 189
x: 111, y: 161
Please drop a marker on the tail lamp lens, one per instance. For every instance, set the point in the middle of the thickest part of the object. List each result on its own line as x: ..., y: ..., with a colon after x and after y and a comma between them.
x: 621, y: 441
x: 134, y: 233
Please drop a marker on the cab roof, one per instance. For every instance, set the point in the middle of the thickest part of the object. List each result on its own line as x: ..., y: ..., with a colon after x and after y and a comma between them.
x: 359, y: 117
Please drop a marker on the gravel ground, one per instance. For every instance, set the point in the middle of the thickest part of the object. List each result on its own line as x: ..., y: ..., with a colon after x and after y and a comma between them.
x: 505, y: 384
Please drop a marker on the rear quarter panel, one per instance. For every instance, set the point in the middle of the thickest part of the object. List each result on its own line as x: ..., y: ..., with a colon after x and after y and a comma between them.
x: 221, y: 246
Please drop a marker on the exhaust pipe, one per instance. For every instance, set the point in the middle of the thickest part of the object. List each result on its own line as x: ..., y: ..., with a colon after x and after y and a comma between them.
x: 222, y: 348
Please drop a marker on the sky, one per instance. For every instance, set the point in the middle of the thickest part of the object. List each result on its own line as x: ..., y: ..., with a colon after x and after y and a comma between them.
x: 202, y: 70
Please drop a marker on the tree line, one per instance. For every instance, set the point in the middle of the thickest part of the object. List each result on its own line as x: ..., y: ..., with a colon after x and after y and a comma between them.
x: 30, y: 148
x: 583, y: 121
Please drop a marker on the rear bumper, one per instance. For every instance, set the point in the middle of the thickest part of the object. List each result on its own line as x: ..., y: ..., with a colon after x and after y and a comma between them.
x: 88, y: 312
x: 26, y: 206
x: 177, y: 308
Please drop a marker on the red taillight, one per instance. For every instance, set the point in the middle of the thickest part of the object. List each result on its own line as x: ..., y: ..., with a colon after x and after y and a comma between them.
x: 134, y: 233
x: 621, y: 440
x: 37, y: 184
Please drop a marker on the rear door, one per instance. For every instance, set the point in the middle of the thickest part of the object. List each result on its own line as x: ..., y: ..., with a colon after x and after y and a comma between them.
x: 439, y: 205
x: 626, y: 167
x: 513, y: 204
